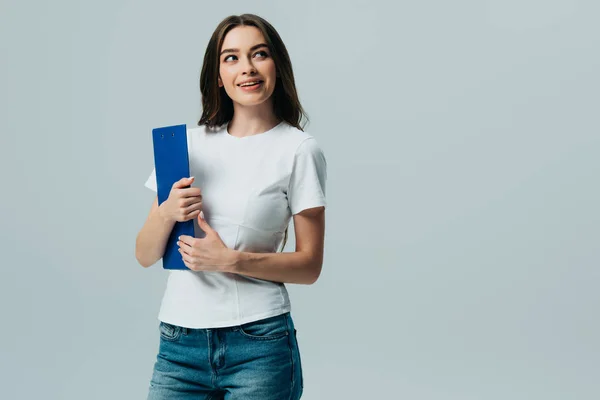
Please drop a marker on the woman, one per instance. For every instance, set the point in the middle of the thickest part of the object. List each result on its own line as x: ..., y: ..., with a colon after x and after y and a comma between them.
x: 225, y: 326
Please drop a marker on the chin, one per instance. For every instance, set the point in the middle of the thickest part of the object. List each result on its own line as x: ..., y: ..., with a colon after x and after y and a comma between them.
x: 249, y: 100
x: 250, y: 103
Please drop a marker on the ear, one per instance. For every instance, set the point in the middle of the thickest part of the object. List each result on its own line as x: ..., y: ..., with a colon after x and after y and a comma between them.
x: 220, y: 82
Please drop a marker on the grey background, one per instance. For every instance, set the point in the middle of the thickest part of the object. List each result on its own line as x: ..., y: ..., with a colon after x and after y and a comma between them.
x: 462, y: 141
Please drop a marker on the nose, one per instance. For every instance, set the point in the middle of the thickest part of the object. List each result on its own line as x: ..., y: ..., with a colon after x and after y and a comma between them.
x: 248, y: 67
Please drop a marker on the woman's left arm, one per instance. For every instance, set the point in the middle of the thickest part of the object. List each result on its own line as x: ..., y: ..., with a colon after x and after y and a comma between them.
x: 302, y: 266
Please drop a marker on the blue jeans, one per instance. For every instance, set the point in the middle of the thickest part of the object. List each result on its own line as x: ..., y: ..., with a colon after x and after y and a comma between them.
x: 256, y: 361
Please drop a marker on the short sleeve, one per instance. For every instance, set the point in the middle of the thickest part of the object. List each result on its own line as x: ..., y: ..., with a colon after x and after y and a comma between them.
x: 308, y: 178
x: 151, y: 181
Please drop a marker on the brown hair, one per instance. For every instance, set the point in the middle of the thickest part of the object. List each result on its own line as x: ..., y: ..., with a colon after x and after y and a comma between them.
x: 217, y: 107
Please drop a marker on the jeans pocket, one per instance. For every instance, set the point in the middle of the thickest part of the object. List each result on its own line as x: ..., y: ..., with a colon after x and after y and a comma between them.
x: 266, y: 329
x: 169, y: 332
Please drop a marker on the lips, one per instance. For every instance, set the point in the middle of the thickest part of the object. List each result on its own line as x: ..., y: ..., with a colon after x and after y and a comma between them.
x: 249, y: 83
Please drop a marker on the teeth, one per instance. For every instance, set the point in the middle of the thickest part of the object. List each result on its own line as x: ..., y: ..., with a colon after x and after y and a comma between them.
x: 249, y: 83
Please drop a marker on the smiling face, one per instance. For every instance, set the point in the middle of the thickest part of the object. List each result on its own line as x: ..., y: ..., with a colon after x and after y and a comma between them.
x: 246, y: 69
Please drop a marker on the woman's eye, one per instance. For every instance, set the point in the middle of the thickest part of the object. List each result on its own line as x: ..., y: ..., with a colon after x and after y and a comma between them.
x: 263, y: 53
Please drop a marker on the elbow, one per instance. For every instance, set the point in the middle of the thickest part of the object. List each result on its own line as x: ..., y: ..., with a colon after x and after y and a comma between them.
x: 144, y: 260
x: 315, y: 273
x: 315, y: 265
x: 141, y: 261
x: 139, y: 256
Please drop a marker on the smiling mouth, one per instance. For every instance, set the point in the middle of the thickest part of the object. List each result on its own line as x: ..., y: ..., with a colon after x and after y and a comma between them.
x: 251, y: 84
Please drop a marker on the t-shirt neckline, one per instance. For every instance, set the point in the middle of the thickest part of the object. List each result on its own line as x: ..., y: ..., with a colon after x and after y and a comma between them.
x: 245, y: 138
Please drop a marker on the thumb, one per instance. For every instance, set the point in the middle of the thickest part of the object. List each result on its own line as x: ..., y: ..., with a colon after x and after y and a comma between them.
x: 183, y: 182
x: 202, y: 222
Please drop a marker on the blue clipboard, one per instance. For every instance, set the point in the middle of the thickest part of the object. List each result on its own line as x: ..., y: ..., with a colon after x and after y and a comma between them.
x: 171, y: 163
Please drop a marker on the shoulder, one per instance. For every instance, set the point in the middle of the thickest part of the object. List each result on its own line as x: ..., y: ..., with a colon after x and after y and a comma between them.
x: 300, y: 141
x: 199, y: 133
x: 203, y: 129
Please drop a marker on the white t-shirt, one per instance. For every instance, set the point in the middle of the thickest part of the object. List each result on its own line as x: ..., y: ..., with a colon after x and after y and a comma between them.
x: 251, y: 187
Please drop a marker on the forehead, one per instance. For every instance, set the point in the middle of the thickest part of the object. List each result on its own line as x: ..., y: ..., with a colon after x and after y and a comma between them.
x: 242, y: 37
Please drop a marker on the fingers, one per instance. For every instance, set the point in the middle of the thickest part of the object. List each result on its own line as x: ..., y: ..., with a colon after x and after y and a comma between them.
x: 187, y: 259
x: 192, y: 206
x: 186, y: 195
x: 185, y: 243
x: 190, y: 192
x: 189, y: 201
x: 191, y: 215
x: 185, y: 202
x: 185, y: 213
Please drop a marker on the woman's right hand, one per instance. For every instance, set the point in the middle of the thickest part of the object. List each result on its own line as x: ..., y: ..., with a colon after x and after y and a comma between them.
x: 184, y: 203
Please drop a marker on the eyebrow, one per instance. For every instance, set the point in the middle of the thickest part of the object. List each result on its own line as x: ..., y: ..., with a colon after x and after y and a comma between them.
x: 236, y: 50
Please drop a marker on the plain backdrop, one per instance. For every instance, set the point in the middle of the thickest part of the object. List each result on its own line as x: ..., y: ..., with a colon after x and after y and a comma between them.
x: 462, y: 234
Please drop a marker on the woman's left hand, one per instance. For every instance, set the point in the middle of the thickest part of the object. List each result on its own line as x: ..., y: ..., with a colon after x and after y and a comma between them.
x: 205, y: 254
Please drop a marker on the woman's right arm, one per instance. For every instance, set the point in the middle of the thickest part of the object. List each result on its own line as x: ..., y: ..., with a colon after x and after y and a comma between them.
x: 152, y: 239
x: 184, y: 203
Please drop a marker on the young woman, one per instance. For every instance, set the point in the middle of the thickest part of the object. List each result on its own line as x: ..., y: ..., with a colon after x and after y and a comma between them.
x: 225, y: 326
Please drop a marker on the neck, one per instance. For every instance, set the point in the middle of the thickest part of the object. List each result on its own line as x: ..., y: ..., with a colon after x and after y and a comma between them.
x: 251, y: 120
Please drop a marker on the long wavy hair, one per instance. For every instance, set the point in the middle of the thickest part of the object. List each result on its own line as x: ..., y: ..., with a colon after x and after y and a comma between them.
x: 217, y: 106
